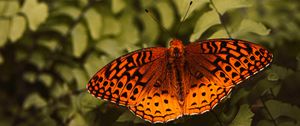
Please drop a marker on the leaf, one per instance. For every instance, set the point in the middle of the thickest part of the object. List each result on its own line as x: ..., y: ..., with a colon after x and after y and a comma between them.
x: 86, y: 102
x: 34, y: 100
x: 60, y: 28
x: 46, y: 79
x: 80, y: 77
x: 79, y: 40
x: 110, y: 47
x: 225, y: 5
x: 118, y: 6
x: 94, y: 63
x: 265, y: 123
x: 166, y: 13
x: 4, y: 27
x: 77, y: 120
x: 244, y: 117
x: 70, y: 11
x: 279, y: 72
x: 9, y: 8
x: 127, y: 116
x: 203, y: 23
x: 30, y: 77
x: 129, y: 34
x: 94, y: 22
x: 64, y: 72
x: 111, y: 26
x: 151, y: 29
x: 1, y: 59
x: 219, y: 34
x: 50, y: 43
x: 18, y: 26
x: 182, y: 6
x: 59, y: 90
x: 35, y: 12
x: 38, y: 60
x: 250, y: 26
x: 278, y: 108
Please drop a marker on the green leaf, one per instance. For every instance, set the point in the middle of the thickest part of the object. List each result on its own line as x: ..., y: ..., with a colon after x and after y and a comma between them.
x: 47, y: 121
x: 265, y: 123
x: 118, y: 6
x: 94, y: 22
x: 86, y: 102
x: 127, y: 116
x: 34, y: 100
x: 151, y: 29
x: 4, y: 27
x: 59, y: 90
x: 64, y: 72
x: 46, y: 79
x: 38, y: 60
x: 50, y: 43
x: 30, y: 77
x: 94, y: 63
x: 239, y: 95
x: 9, y: 8
x: 1, y: 59
x: 18, y: 26
x: 278, y: 108
x: 182, y: 6
x: 250, y: 26
x: 60, y: 28
x: 207, y: 20
x: 279, y: 72
x: 219, y: 34
x: 244, y: 117
x: 273, y: 77
x: 225, y: 5
x: 111, y: 26
x: 166, y: 13
x: 77, y: 120
x: 129, y: 34
x: 35, y: 12
x: 80, y: 77
x: 110, y: 47
x: 70, y: 11
x: 79, y: 40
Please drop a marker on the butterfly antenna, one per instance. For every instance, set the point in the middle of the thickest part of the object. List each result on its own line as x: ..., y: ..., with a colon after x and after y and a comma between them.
x: 220, y: 16
x: 184, y: 17
x: 161, y: 26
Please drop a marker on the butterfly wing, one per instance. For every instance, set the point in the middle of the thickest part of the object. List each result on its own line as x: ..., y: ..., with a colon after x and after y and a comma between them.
x: 125, y: 80
x: 137, y: 80
x: 216, y: 66
x: 158, y: 106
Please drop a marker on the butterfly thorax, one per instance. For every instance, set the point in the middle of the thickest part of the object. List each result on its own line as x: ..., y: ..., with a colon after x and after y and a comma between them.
x: 176, y: 62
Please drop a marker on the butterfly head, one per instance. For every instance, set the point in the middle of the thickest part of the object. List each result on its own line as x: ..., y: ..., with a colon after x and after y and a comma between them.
x: 176, y: 48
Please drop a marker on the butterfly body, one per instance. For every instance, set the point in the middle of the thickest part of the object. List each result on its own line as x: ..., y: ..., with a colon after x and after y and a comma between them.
x: 161, y: 84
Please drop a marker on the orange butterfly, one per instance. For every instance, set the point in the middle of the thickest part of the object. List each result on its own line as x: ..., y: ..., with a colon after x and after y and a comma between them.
x: 162, y: 84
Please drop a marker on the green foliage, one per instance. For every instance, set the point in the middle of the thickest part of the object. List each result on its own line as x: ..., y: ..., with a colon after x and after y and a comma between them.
x: 50, y: 48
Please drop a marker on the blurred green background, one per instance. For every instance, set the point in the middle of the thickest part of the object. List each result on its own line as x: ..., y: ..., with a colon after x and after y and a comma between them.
x: 50, y: 48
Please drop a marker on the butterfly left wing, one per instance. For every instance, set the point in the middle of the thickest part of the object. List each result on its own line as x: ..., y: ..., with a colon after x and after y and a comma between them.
x: 216, y: 66
x: 125, y: 80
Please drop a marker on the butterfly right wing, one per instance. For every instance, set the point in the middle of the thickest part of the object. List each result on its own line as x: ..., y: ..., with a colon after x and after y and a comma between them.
x: 216, y: 66
x: 126, y: 79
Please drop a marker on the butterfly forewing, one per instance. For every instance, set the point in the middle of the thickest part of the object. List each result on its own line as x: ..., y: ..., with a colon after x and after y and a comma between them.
x: 123, y: 80
x: 216, y: 66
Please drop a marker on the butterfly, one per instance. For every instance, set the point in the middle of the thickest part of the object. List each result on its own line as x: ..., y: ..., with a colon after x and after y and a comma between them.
x: 162, y: 84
